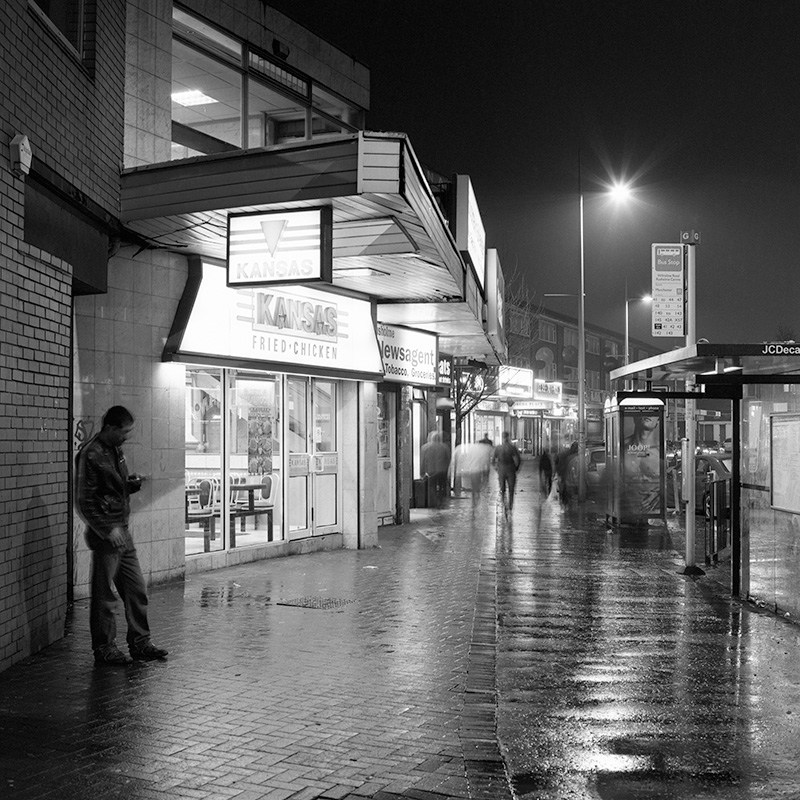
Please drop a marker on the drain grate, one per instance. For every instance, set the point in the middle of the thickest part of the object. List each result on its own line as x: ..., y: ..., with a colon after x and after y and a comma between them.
x: 316, y: 602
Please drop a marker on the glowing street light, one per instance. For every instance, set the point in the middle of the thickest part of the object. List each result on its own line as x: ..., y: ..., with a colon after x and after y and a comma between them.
x: 619, y: 192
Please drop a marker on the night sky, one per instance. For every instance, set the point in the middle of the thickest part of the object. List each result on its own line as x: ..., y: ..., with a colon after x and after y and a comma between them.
x: 696, y: 103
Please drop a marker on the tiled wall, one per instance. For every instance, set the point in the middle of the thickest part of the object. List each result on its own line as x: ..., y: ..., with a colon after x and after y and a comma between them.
x: 119, y: 338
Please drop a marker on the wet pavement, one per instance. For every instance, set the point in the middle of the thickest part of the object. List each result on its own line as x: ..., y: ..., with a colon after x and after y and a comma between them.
x: 470, y: 656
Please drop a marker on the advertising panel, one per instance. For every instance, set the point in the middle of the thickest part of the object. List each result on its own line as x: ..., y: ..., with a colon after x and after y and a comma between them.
x: 495, y: 291
x: 272, y: 247
x: 515, y: 382
x: 785, y: 462
x: 297, y: 326
x: 409, y: 356
x: 548, y: 391
x: 643, y: 462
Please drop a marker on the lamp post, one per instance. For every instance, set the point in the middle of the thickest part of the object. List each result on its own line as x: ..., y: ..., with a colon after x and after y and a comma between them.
x: 619, y: 192
x: 645, y: 299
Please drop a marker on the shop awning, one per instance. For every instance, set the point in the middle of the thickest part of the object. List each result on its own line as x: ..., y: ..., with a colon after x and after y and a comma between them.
x: 390, y: 240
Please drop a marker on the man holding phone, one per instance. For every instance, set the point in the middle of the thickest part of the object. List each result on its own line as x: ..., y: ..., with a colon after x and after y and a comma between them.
x: 102, y: 490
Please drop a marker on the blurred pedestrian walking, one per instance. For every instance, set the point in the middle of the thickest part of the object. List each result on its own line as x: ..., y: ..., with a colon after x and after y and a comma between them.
x: 102, y: 490
x: 434, y: 463
x: 545, y: 473
x: 507, y: 461
x: 566, y: 469
x: 473, y: 466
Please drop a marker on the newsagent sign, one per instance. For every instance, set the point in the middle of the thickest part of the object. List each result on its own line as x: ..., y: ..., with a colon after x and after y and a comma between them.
x: 409, y: 356
x: 276, y: 247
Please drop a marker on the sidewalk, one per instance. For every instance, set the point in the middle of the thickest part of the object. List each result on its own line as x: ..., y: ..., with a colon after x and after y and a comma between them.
x: 540, y: 657
x: 347, y: 674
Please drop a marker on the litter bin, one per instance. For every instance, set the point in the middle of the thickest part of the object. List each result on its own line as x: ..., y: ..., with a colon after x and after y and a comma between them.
x: 420, y: 493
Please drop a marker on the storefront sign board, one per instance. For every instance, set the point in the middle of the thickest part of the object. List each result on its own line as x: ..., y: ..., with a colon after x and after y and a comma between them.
x: 295, y: 326
x: 409, y: 356
x: 275, y: 247
x: 548, y: 391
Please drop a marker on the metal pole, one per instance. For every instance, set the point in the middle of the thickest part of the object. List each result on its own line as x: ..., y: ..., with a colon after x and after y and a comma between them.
x: 581, y: 369
x: 627, y: 348
x: 689, y: 461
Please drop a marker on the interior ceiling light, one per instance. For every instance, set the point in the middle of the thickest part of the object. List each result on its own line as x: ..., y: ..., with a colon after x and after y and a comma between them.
x: 192, y: 97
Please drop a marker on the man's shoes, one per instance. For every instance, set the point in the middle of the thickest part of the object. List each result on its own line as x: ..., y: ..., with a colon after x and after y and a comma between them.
x: 147, y: 651
x: 113, y: 656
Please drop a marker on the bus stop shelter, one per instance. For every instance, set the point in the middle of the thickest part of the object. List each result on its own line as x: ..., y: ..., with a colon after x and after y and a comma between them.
x: 762, y: 382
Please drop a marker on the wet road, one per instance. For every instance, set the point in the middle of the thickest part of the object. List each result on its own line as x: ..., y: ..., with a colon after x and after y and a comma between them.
x: 620, y: 678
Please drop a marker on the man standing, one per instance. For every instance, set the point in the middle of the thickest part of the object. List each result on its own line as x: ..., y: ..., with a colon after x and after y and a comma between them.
x: 507, y: 461
x: 102, y: 489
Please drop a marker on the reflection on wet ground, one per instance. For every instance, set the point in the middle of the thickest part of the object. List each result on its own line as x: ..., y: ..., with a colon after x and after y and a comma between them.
x: 619, y: 677
x: 391, y: 673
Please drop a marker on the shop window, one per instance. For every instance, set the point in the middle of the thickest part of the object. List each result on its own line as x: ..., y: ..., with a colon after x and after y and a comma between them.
x: 203, y: 460
x: 232, y: 473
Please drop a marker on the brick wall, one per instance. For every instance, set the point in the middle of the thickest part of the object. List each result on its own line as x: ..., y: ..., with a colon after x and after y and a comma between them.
x: 72, y: 115
x: 35, y: 295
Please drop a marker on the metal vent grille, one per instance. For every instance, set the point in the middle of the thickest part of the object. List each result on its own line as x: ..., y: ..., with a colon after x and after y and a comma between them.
x: 316, y: 602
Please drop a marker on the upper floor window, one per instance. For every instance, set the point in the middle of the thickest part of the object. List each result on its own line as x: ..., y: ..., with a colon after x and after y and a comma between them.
x: 547, y: 331
x: 519, y: 322
x: 227, y: 95
x: 570, y: 337
x: 67, y: 18
x: 593, y: 344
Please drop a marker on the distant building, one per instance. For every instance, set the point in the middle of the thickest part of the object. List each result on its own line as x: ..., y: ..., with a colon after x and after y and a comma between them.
x: 546, y: 342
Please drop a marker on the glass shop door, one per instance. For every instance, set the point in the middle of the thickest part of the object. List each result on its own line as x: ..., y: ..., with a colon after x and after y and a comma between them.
x: 313, y: 499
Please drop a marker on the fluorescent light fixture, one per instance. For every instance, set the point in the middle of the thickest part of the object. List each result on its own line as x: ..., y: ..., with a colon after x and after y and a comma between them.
x: 192, y: 97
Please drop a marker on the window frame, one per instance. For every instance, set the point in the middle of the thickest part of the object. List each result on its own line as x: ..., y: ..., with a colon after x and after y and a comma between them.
x: 260, y: 76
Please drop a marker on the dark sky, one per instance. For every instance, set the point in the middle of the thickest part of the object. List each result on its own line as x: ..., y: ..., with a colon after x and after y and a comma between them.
x: 697, y: 103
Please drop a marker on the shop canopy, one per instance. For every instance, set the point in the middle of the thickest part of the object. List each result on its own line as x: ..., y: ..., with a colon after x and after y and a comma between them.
x: 390, y: 240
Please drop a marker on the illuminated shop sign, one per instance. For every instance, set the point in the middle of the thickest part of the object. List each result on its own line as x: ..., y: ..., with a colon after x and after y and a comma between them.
x: 409, y: 356
x: 280, y: 247
x: 470, y: 233
x: 516, y: 382
x: 445, y: 370
x: 551, y: 391
x: 495, y: 291
x: 297, y: 326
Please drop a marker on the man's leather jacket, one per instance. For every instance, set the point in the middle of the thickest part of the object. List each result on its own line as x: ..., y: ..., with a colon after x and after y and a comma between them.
x: 102, y: 486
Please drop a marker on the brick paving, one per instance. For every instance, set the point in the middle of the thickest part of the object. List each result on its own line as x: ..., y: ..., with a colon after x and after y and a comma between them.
x: 331, y: 676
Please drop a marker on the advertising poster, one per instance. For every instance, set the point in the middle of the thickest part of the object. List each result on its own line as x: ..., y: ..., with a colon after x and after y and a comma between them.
x: 642, y: 462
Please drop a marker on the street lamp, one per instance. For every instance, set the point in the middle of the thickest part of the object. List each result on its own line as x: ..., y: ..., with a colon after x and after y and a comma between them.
x: 645, y: 299
x: 618, y: 192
